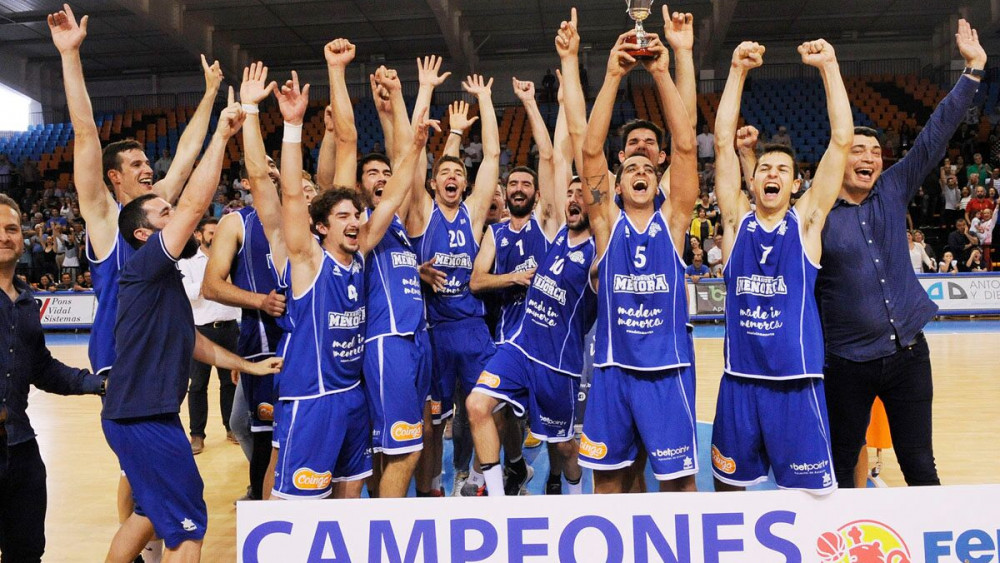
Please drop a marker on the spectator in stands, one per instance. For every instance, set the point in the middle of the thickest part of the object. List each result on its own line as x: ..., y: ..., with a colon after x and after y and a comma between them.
x: 918, y: 239
x: 697, y: 269
x: 65, y: 282
x: 948, y: 264
x: 702, y: 227
x: 918, y: 256
x: 30, y: 176
x: 6, y: 174
x: 979, y: 168
x: 549, y: 85
x: 162, y: 164
x: 974, y: 263
x: 952, y: 196
x: 81, y: 282
x: 707, y: 176
x: 715, y: 257
x: 995, y: 143
x: 961, y: 241
x: 977, y: 204
x: 692, y: 248
x: 983, y: 226
x: 377, y: 148
x: 706, y: 144
x: 964, y: 201
x: 474, y: 153
x: 960, y: 170
x: 781, y: 137
x: 711, y: 209
x: 505, y: 157
x: 994, y: 177
x: 918, y: 207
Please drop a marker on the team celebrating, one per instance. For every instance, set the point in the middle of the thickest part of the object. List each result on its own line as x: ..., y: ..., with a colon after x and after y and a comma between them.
x: 377, y: 303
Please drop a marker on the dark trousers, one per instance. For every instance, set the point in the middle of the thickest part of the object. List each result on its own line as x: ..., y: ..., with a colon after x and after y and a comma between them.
x: 22, y: 505
x: 260, y: 458
x: 225, y: 334
x: 461, y: 434
x: 903, y: 382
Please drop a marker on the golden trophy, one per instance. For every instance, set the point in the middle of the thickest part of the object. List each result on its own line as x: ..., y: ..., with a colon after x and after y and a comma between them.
x: 639, y: 10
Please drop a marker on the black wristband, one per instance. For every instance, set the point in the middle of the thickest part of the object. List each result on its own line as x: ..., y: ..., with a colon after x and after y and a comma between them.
x: 977, y: 72
x: 104, y: 386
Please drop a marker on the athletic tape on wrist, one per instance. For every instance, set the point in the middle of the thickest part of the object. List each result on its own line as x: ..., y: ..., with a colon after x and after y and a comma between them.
x: 250, y: 108
x: 293, y: 133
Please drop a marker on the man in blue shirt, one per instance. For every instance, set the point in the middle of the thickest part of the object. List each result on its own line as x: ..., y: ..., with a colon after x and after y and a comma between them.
x: 873, y: 309
x: 155, y: 340
x: 26, y: 361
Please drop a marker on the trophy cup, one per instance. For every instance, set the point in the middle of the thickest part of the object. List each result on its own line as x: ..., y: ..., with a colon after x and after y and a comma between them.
x: 639, y: 10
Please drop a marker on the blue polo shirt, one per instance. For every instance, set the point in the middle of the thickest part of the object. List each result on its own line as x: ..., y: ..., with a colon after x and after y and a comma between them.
x: 154, y: 337
x: 870, y: 300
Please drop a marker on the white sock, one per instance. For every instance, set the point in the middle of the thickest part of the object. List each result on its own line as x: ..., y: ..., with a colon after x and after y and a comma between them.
x: 475, y: 478
x: 575, y: 489
x: 153, y: 551
x: 436, y: 482
x: 494, y: 481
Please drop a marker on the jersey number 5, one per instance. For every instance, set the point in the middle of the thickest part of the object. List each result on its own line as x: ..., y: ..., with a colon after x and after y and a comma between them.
x: 640, y: 256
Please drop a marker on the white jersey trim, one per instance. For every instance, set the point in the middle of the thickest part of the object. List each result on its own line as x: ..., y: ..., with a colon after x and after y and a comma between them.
x: 318, y: 395
x: 774, y: 377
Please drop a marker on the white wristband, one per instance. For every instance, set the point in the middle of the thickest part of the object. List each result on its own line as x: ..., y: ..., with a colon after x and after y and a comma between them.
x: 293, y: 133
x: 250, y: 108
x: 458, y: 132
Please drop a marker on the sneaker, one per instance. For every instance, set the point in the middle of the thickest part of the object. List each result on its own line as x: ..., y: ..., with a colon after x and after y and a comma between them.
x: 553, y: 487
x: 473, y: 490
x: 459, y: 484
x: 197, y: 445
x: 438, y: 492
x: 531, y: 441
x: 244, y: 497
x: 232, y: 437
x: 515, y: 485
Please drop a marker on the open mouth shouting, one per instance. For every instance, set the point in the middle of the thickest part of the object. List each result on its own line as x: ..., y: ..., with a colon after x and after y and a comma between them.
x: 866, y: 174
x: 574, y: 212
x: 146, y: 182
x: 351, y: 236
x: 640, y: 186
x: 772, y: 188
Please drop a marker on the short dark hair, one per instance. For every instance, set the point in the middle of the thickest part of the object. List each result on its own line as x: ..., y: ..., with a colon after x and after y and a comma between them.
x: 205, y: 222
x: 867, y: 132
x: 642, y: 124
x: 9, y: 202
x: 133, y: 217
x: 111, y: 156
x: 785, y: 149
x: 526, y: 170
x: 443, y: 159
x: 370, y: 157
x: 319, y: 209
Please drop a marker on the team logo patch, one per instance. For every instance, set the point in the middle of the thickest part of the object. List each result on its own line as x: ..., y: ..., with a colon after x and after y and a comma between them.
x: 265, y: 411
x: 188, y: 525
x: 591, y: 449
x: 722, y: 463
x: 862, y: 541
x: 306, y: 479
x: 403, y: 431
x: 489, y: 380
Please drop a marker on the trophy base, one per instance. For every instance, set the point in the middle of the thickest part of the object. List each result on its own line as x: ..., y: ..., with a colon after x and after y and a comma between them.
x: 642, y: 53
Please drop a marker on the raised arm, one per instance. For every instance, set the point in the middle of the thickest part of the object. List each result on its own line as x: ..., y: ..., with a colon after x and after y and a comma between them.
x: 746, y: 147
x: 678, y: 29
x: 525, y: 91
x: 97, y: 205
x: 489, y: 170
x: 339, y: 53
x: 303, y: 252
x: 815, y: 204
x: 733, y: 204
x: 384, y: 109
x: 326, y: 167
x: 191, y: 141
x: 402, y: 136
x: 597, y: 189
x: 573, y: 103
x: 459, y: 123
x: 563, y: 164
x: 204, y: 181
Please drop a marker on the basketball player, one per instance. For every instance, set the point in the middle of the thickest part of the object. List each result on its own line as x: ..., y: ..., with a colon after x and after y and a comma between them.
x: 643, y: 387
x: 105, y: 182
x: 448, y: 231
x: 147, y: 383
x: 771, y: 411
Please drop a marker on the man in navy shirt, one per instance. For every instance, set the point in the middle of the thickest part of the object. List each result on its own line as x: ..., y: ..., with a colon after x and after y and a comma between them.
x: 873, y: 309
x: 155, y: 340
x: 26, y: 361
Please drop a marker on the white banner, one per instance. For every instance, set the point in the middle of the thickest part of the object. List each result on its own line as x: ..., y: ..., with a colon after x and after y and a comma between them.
x: 970, y: 292
x: 66, y: 309
x: 902, y: 525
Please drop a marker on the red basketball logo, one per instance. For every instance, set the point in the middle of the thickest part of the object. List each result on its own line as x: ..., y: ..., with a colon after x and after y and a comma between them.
x: 862, y: 541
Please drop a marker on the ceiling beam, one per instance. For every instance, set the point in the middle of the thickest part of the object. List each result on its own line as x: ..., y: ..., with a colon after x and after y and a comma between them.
x: 459, y: 40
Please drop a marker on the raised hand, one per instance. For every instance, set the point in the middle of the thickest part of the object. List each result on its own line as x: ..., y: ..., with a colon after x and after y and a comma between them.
x: 231, y: 118
x: 388, y: 79
x: 421, y: 131
x: 817, y: 53
x: 379, y: 95
x: 458, y: 116
x: 428, y: 71
x: 476, y: 85
x: 523, y: 89
x: 67, y: 35
x: 678, y: 28
x: 292, y: 102
x: 967, y: 40
x: 339, y: 53
x: 255, y: 86
x: 213, y: 75
x: 620, y: 63
x: 748, y: 55
x: 568, y: 38
x: 746, y: 138
x: 660, y: 62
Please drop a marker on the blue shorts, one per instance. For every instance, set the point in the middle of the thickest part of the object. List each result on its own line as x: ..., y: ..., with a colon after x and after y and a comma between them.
x: 260, y: 394
x: 549, y: 397
x: 460, y: 350
x: 167, y: 488
x: 397, y: 382
x: 322, y: 440
x: 625, y: 406
x: 781, y: 425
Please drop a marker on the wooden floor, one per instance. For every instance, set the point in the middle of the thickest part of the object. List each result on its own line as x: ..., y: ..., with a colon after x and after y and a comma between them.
x: 83, y: 472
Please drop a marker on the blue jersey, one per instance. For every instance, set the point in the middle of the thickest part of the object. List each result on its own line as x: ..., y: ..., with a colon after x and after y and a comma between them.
x: 454, y: 249
x: 642, y: 299
x: 516, y: 251
x: 773, y: 328
x: 395, y: 303
x: 253, y: 270
x: 154, y: 337
x: 323, y: 353
x: 105, y: 274
x: 560, y: 307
